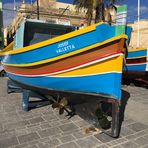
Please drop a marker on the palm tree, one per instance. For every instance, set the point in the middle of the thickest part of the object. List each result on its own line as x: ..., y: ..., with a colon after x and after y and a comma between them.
x: 93, y: 5
x: 87, y: 5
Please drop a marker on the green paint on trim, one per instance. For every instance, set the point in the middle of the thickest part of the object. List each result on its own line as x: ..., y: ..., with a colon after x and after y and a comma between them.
x: 122, y: 8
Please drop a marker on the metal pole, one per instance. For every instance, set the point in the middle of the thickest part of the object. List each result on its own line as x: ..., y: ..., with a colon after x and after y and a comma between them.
x: 138, y: 25
x: 14, y: 5
x: 38, y: 17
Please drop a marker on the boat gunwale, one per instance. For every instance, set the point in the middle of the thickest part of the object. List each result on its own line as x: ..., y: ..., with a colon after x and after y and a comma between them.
x: 137, y: 49
x: 53, y: 40
x: 123, y: 36
x: 138, y: 57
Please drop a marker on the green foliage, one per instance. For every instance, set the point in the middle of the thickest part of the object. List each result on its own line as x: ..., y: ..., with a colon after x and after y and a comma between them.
x: 93, y: 5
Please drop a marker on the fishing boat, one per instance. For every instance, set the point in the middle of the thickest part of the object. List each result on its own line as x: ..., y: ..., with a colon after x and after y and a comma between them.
x: 83, y: 59
x: 136, y: 67
x: 58, y: 59
x: 137, y: 64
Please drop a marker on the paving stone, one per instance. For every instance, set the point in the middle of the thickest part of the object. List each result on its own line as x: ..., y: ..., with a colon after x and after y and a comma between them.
x: 116, y: 142
x: 50, y: 117
x: 55, y: 123
x: 58, y: 136
x: 137, y: 126
x: 129, y: 144
x: 80, y: 134
x: 102, y: 146
x: 136, y: 135
x: 20, y: 132
x: 128, y: 122
x: 141, y: 141
x: 27, y: 117
x: 36, y: 120
x: 34, y: 142
x: 43, y: 145
x: 82, y: 123
x: 52, y: 130
x: 126, y: 131
x: 76, y: 118
x: 88, y: 142
x: 146, y: 136
x: 12, y: 115
x: 53, y: 143
x: 33, y: 146
x: 49, y: 132
x: 21, y: 146
x: 43, y: 140
x: 28, y: 137
x: 16, y: 124
x: 33, y: 129
x: 1, y: 127
x: 65, y: 121
x: 7, y: 142
x: 69, y: 132
x: 67, y: 138
x: 69, y: 145
x: 117, y: 146
x: 104, y: 138
x: 45, y: 125
x: 68, y: 127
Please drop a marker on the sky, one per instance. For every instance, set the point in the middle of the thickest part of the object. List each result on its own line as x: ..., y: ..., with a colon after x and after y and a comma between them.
x: 132, y: 9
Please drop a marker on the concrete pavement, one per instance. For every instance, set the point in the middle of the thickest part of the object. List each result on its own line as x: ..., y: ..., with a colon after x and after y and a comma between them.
x: 45, y: 128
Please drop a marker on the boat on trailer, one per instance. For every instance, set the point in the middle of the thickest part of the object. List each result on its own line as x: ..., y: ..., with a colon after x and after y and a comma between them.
x: 55, y: 59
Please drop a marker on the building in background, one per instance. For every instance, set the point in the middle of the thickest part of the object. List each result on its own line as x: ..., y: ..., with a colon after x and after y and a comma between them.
x: 63, y: 12
x: 49, y: 10
x: 143, y: 34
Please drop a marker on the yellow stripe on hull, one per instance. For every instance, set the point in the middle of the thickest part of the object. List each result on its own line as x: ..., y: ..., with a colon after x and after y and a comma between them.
x: 137, y: 49
x: 136, y: 57
x: 114, y: 64
x: 68, y: 54
x: 8, y: 48
x: 55, y: 40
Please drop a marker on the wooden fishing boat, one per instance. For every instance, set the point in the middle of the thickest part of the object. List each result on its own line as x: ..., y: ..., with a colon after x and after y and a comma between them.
x: 58, y: 59
x: 137, y: 64
x: 83, y: 59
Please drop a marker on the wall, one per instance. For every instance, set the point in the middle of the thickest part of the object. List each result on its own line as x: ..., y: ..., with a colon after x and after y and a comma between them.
x: 143, y: 34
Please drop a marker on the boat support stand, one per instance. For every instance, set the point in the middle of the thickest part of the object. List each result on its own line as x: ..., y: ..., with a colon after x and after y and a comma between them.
x: 37, y: 101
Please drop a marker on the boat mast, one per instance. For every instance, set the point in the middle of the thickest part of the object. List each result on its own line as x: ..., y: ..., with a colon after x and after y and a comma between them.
x: 138, y: 24
x: 14, y: 8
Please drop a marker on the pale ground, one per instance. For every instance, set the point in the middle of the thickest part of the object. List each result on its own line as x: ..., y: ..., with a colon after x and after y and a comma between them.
x: 44, y: 128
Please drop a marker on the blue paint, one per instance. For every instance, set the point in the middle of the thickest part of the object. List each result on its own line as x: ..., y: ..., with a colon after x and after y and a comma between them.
x: 102, y: 33
x: 136, y: 67
x: 137, y: 53
x: 109, y: 84
x: 128, y: 32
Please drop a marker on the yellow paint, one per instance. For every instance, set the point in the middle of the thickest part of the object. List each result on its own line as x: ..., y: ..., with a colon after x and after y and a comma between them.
x: 137, y: 49
x: 8, y: 48
x: 136, y: 57
x: 54, y: 40
x: 114, y: 64
x: 68, y: 54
